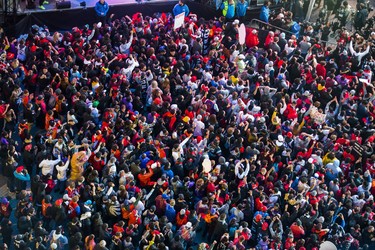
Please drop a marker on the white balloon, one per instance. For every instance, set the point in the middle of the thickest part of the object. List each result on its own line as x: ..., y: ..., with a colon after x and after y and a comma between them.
x: 242, y: 34
x: 327, y: 245
x: 206, y: 165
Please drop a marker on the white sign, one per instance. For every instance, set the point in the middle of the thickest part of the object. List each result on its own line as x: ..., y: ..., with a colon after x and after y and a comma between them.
x: 206, y: 165
x: 179, y: 20
x: 242, y: 34
x: 318, y: 117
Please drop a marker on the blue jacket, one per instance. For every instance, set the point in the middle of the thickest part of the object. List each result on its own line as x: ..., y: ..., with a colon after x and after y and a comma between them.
x: 264, y: 14
x: 229, y: 10
x: 170, y: 213
x: 241, y: 8
x: 169, y: 172
x: 145, y: 160
x: 22, y: 177
x: 101, y: 9
x: 178, y: 9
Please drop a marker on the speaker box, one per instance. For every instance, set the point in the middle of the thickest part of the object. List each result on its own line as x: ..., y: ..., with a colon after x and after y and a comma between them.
x: 63, y: 5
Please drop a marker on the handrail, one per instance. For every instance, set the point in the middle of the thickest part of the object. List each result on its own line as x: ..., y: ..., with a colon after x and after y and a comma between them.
x: 270, y: 25
x: 254, y: 20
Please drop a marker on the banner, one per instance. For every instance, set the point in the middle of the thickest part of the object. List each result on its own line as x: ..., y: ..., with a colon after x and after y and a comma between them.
x: 317, y: 116
x: 179, y: 20
x: 358, y: 149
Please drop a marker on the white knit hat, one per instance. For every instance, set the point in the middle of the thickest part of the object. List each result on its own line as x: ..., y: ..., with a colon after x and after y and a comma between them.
x: 102, y: 243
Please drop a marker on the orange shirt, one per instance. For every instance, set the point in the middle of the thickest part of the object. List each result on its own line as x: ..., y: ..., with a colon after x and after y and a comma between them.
x: 144, y: 179
x: 48, y: 119
x: 133, y: 218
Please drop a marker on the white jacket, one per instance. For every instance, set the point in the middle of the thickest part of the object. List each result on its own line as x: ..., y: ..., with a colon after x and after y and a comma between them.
x: 61, y: 171
x: 48, y: 165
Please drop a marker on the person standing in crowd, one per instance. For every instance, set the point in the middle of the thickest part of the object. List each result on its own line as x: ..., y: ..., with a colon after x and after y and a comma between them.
x: 360, y: 17
x: 265, y: 12
x: 343, y: 13
x: 101, y: 10
x: 241, y: 10
x: 330, y: 5
x: 180, y: 7
x: 298, y: 12
x: 228, y: 8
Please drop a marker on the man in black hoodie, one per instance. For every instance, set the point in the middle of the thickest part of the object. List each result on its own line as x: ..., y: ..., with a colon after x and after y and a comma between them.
x: 220, y: 227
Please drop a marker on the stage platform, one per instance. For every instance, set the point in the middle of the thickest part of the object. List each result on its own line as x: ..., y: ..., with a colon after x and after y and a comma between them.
x: 78, y: 16
x: 76, y: 4
x: 65, y: 19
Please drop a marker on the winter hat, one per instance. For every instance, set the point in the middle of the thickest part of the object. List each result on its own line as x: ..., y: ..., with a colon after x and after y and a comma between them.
x: 132, y: 200
x: 161, y: 182
x: 311, y: 160
x: 28, y: 147
x: 280, y: 140
x: 258, y: 217
x: 20, y: 169
x: 88, y: 203
x: 320, y: 219
x: 59, y: 202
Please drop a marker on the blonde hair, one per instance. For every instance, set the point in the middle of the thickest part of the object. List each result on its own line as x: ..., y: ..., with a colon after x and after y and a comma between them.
x: 172, y: 202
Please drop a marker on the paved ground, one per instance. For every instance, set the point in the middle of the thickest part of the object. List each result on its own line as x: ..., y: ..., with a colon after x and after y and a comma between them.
x: 352, y: 3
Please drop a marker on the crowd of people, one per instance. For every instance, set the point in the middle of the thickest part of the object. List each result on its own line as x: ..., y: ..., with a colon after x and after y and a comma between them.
x: 132, y: 135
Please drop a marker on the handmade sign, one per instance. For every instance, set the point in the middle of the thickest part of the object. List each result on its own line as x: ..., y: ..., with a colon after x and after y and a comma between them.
x: 179, y: 20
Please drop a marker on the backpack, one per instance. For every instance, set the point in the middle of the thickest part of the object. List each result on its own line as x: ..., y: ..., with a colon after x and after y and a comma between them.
x: 131, y: 191
x: 21, y: 210
x: 228, y: 142
x: 51, y: 102
x: 148, y: 218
